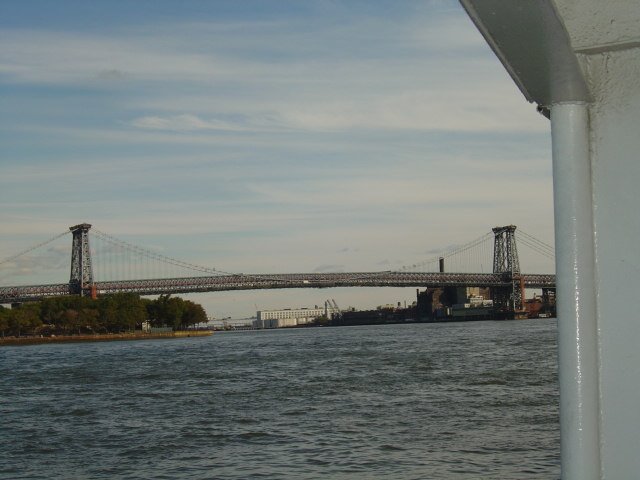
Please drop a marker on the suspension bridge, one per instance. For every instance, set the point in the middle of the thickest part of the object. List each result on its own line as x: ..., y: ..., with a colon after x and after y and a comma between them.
x: 124, y: 267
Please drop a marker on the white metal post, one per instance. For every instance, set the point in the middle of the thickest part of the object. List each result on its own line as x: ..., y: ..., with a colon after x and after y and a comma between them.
x: 576, y: 296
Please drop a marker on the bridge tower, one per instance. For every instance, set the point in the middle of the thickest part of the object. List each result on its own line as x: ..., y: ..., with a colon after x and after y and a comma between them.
x: 81, y: 281
x: 506, y: 262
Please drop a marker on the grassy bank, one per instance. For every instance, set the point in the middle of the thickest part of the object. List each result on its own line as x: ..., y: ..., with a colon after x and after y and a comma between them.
x: 102, y: 337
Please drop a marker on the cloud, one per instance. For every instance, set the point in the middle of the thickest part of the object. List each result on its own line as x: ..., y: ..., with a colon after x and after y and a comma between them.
x: 35, y: 264
x: 446, y: 248
x: 329, y: 268
x: 182, y: 123
x: 410, y: 84
x: 47, y: 57
x: 111, y: 75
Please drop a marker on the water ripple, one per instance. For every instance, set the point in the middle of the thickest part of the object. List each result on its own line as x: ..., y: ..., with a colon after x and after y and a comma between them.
x: 462, y: 401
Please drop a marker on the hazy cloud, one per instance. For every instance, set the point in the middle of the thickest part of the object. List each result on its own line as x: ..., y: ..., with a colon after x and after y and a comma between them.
x: 111, y: 74
x: 329, y: 268
x: 181, y: 123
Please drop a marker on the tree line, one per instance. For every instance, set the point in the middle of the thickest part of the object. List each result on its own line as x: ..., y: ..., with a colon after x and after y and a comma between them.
x: 117, y: 313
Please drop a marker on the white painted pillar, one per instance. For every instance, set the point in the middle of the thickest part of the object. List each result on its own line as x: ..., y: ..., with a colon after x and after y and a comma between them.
x: 576, y: 292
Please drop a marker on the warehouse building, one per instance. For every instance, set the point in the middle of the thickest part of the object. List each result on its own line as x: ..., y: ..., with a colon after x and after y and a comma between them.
x: 289, y: 317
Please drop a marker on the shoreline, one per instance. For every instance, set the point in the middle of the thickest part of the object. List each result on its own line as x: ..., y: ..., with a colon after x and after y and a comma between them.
x: 102, y: 337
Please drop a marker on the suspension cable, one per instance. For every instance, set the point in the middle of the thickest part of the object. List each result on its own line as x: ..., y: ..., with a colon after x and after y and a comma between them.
x: 157, y: 256
x: 458, y: 249
x: 533, y: 239
x: 536, y: 248
x: 41, y: 244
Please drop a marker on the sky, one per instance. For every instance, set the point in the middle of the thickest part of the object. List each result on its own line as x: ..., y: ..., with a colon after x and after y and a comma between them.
x: 264, y: 136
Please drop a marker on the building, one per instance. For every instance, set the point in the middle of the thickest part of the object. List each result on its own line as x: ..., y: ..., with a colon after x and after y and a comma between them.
x: 460, y: 302
x: 288, y: 317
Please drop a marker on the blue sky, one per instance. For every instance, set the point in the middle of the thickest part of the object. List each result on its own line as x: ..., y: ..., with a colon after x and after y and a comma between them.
x: 264, y: 136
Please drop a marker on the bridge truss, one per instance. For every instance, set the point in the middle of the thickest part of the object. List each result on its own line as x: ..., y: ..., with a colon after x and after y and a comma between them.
x: 506, y: 281
x: 291, y: 280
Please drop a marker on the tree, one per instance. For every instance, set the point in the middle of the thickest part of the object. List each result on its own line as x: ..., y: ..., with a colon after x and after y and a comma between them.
x: 4, y: 319
x: 193, y: 313
x: 132, y: 310
x: 168, y: 311
x: 52, y: 310
x: 70, y: 321
x: 108, y: 313
x: 122, y: 311
x: 24, y: 319
x: 63, y: 313
x: 112, y: 313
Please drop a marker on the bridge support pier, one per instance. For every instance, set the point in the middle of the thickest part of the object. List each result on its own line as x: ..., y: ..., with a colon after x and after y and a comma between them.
x: 81, y: 279
x: 505, y: 261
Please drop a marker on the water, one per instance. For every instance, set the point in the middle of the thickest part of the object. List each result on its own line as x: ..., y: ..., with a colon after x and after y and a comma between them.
x: 421, y: 401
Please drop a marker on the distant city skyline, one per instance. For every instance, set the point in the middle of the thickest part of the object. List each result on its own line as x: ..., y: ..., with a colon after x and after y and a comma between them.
x: 265, y: 136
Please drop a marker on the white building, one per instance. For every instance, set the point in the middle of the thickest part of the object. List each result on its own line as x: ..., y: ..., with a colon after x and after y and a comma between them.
x: 289, y: 317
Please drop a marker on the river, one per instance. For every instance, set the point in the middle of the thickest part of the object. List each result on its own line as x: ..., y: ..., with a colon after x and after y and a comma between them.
x: 419, y: 401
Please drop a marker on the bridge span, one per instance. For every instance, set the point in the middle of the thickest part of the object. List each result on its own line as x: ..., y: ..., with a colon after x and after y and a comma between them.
x: 507, y: 282
x: 220, y: 283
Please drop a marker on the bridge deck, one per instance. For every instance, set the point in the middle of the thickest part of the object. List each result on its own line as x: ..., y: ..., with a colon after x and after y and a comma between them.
x: 275, y: 281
